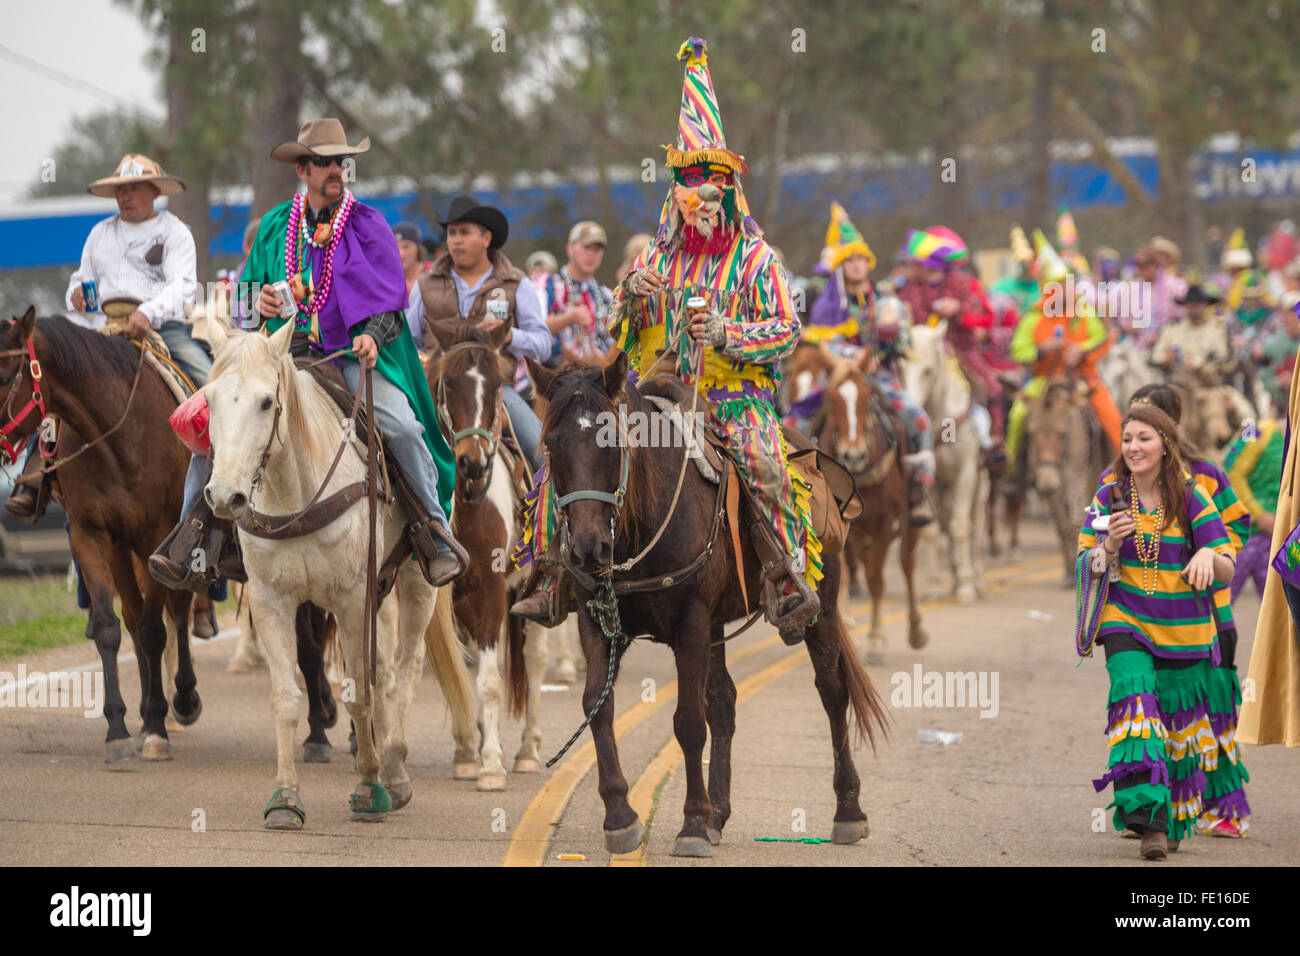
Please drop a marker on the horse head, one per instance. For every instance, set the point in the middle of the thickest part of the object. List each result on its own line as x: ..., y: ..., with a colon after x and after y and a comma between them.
x: 848, y: 425
x: 1047, y: 431
x: 249, y: 390
x: 923, y: 368
x: 585, y: 441
x: 467, y: 376
x: 14, y: 333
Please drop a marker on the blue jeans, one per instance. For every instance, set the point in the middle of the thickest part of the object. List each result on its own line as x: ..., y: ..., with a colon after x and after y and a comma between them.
x: 404, y: 439
x: 527, y: 426
x: 186, y: 352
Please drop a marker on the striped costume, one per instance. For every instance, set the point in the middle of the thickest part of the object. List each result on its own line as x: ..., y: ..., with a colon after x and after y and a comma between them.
x: 1225, y: 797
x: 1161, y: 651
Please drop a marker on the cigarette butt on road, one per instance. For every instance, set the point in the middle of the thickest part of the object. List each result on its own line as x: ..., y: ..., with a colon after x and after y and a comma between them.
x: 569, y: 856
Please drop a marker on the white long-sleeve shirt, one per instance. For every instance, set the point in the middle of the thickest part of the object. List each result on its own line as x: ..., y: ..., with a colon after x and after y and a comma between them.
x: 115, y: 257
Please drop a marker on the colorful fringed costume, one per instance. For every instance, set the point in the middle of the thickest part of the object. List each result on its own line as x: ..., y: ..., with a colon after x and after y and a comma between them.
x: 743, y: 281
x: 1225, y: 795
x: 1165, y: 707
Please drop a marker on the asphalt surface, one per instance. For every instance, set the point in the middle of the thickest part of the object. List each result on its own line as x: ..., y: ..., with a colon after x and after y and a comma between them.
x: 1015, y: 790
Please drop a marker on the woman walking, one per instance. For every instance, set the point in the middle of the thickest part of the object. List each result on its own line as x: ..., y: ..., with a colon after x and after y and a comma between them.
x: 1165, y: 545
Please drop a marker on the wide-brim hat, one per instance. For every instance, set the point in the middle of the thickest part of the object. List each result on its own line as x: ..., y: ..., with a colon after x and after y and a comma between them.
x: 468, y: 209
x: 136, y: 168
x: 1196, y: 293
x: 319, y: 137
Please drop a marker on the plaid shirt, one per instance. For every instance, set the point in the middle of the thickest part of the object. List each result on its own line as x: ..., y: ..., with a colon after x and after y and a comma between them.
x: 562, y: 292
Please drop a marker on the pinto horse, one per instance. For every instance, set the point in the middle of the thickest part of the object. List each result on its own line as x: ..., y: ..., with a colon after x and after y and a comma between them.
x: 466, y: 377
x: 856, y: 428
x: 122, y: 492
x: 613, y: 501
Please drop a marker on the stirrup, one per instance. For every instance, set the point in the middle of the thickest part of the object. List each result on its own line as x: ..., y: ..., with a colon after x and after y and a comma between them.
x: 422, y: 535
x: 790, y: 620
x: 27, y: 502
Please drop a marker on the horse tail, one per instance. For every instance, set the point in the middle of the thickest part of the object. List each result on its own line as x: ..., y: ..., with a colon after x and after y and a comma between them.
x: 443, y: 647
x: 869, y: 714
x: 516, y: 667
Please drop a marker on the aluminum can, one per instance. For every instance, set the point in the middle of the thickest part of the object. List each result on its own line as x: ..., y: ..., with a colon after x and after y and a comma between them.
x: 91, y: 293
x: 288, y: 306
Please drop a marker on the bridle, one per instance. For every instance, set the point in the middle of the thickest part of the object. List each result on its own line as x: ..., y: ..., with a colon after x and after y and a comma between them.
x: 491, y: 435
x: 615, y: 500
x: 9, y: 451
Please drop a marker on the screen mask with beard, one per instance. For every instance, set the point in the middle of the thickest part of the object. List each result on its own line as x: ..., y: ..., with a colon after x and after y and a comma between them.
x: 706, y: 209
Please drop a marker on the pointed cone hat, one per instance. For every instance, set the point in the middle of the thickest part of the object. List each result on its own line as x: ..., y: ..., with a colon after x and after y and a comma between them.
x: 1047, y: 262
x: 1067, y: 234
x: 1021, y: 251
x: 1237, y: 240
x: 844, y: 240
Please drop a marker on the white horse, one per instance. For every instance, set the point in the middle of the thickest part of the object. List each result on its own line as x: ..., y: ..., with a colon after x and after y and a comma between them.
x: 1124, y: 369
x: 253, y: 384
x: 961, y: 482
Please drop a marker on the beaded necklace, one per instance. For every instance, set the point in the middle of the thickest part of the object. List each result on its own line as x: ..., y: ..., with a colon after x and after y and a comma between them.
x: 313, y: 297
x: 1148, y: 550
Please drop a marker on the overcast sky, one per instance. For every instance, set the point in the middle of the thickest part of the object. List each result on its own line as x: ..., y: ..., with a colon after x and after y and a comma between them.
x: 78, y: 47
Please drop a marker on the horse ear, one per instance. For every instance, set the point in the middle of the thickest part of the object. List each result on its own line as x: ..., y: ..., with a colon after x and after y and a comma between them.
x: 27, y: 324
x: 863, y: 359
x: 614, y: 375
x: 216, y: 331
x: 497, y: 337
x: 942, y: 329
x: 280, y: 339
x: 444, y: 333
x: 542, y: 377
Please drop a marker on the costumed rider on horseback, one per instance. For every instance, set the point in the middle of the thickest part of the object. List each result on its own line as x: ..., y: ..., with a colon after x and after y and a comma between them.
x: 142, y: 262
x: 707, y: 245
x: 850, y: 315
x: 341, y: 262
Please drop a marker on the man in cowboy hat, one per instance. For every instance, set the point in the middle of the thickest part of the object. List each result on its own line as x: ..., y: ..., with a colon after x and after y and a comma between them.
x: 473, y: 280
x: 342, y: 264
x: 1197, y: 341
x: 144, y: 258
x: 708, y: 245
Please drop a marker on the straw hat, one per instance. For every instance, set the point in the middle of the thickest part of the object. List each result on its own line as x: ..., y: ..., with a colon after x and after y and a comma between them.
x: 319, y: 137
x: 136, y: 168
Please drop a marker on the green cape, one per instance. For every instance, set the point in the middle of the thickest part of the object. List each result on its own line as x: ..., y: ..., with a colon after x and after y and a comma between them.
x: 398, y: 360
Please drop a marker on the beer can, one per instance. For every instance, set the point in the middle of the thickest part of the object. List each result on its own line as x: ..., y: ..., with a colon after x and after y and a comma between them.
x: 91, y: 294
x: 696, y: 304
x: 288, y: 305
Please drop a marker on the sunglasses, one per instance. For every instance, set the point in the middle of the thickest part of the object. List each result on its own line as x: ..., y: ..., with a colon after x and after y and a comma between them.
x: 325, y: 162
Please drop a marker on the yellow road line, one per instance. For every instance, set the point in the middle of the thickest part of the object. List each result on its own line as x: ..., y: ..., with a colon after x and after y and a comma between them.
x: 532, y: 836
x: 669, y: 758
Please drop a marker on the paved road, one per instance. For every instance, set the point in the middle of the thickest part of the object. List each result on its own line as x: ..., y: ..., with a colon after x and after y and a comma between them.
x: 1015, y: 790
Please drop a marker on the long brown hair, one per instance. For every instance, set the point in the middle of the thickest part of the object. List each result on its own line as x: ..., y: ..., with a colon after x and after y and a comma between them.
x: 1170, y: 481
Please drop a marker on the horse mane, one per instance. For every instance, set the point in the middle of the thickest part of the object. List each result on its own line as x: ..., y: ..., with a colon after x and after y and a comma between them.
x: 456, y: 364
x: 311, y: 417
x: 580, y: 388
x: 80, y: 353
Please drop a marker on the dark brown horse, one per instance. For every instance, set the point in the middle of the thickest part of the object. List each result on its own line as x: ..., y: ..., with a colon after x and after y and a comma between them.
x: 856, y: 427
x: 122, y: 496
x: 687, y: 615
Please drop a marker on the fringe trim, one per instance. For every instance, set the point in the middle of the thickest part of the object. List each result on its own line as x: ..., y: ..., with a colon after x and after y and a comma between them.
x: 803, y: 507
x: 1132, y: 799
x: 1137, y: 716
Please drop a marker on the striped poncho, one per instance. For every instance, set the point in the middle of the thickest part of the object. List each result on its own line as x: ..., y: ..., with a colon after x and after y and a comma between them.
x: 1175, y: 621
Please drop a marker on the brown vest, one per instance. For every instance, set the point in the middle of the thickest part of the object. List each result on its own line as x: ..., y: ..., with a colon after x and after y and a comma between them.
x: 438, y: 290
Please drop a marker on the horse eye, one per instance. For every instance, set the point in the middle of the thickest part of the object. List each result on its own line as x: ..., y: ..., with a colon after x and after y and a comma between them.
x: 267, y: 403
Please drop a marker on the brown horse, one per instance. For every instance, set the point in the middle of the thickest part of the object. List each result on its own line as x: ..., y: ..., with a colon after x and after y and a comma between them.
x: 466, y: 375
x: 618, y: 499
x: 1065, y: 449
x: 856, y: 427
x: 122, y: 496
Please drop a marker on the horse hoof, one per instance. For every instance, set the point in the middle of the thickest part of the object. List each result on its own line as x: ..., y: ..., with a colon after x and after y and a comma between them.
x: 918, y: 638
x: 119, y: 751
x: 491, y: 782
x: 692, y: 846
x: 156, y: 747
x: 849, y: 831
x: 857, y: 590
x: 625, y: 840
x: 370, y: 803
x: 186, y: 717
x: 566, y: 673
x: 284, y: 811
x: 400, y: 793
x: 715, y: 835
x: 967, y: 594
x: 464, y: 770
x: 315, y: 753
x: 527, y: 765
x: 875, y: 659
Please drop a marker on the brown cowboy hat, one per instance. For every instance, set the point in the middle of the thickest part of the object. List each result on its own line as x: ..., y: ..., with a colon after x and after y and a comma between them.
x: 319, y: 137
x: 136, y: 168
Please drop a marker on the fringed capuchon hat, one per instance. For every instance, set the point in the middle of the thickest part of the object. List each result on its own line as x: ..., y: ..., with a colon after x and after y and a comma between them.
x: 699, y: 134
x: 1067, y: 240
x: 1048, y: 264
x: 843, y: 240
